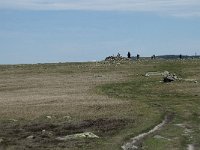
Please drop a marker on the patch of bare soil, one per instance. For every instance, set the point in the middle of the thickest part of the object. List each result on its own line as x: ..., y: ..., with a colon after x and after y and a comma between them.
x: 43, y: 135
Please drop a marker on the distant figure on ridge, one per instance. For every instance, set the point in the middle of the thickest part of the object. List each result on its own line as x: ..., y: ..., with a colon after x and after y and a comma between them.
x: 129, y: 55
x: 118, y: 55
x: 138, y: 56
x: 180, y: 56
x: 153, y: 57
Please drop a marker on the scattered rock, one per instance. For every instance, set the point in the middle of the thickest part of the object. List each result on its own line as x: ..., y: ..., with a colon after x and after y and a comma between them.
x: 116, y: 58
x: 49, y: 117
x: 193, y: 147
x: 180, y: 125
x: 165, y: 73
x: 161, y: 137
x: 31, y: 137
x: 187, y: 131
x: 168, y: 77
x: 67, y: 117
x: 77, y: 136
x: 191, y: 80
x: 47, y: 133
x: 153, y: 74
x: 43, y: 131
x: 147, y: 75
x: 14, y: 120
x: 1, y: 140
x: 190, y: 147
x: 50, y: 133
x: 98, y: 76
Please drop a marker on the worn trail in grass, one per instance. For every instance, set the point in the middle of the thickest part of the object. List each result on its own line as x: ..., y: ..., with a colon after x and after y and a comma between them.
x: 181, y: 98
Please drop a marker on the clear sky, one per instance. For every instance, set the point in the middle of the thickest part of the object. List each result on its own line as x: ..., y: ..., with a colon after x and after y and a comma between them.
x: 38, y: 31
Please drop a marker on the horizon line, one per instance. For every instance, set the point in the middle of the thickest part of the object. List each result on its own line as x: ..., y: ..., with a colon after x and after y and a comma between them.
x: 176, y: 8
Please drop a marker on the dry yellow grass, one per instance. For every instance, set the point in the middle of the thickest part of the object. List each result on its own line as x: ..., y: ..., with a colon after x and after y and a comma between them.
x: 30, y: 95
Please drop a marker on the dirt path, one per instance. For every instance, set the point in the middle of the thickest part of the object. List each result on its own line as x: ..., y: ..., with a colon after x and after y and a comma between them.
x: 137, y: 140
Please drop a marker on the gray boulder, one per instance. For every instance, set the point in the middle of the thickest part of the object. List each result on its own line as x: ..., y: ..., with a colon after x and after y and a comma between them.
x: 169, y: 77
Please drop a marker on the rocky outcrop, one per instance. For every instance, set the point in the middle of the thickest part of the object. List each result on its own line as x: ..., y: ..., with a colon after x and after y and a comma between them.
x: 116, y: 58
x: 168, y: 77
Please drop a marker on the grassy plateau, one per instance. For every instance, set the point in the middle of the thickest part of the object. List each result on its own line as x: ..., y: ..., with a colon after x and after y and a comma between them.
x: 113, y: 100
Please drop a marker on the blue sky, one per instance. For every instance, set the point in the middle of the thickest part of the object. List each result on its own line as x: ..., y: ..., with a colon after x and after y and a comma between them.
x: 37, y: 31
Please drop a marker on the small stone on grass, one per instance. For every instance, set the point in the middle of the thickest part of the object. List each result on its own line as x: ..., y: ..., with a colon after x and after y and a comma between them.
x: 1, y: 140
x: 77, y: 136
x: 31, y: 137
